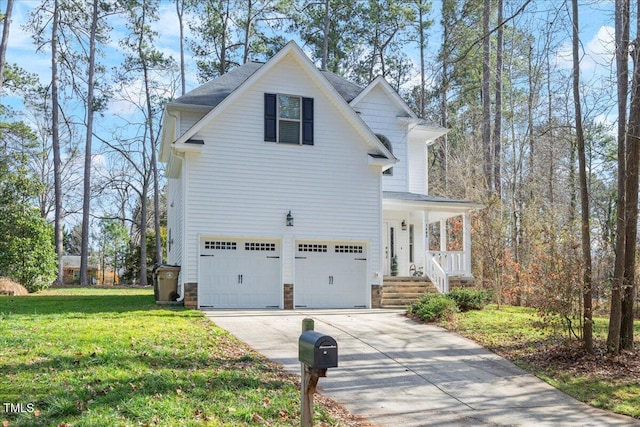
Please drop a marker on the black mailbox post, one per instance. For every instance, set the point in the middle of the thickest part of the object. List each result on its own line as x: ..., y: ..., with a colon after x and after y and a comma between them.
x: 318, y: 351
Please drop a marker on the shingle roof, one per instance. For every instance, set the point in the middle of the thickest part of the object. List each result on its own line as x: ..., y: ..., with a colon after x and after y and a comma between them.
x: 345, y: 88
x: 215, y: 91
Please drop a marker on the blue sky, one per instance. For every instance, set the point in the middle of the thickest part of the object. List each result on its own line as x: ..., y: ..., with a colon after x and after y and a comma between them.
x: 596, y: 32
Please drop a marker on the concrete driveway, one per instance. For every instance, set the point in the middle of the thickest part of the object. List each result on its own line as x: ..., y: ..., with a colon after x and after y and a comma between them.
x: 396, y: 372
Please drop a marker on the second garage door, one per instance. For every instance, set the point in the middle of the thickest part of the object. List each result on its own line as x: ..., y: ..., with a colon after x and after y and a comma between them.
x: 239, y: 273
x: 330, y: 275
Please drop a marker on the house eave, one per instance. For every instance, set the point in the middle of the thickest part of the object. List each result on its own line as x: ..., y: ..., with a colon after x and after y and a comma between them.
x: 188, y: 107
x: 384, y: 162
x: 421, y: 202
x: 421, y: 131
x: 189, y: 146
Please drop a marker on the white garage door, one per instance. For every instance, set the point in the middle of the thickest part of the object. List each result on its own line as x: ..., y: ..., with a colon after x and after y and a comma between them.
x: 330, y: 275
x: 239, y: 273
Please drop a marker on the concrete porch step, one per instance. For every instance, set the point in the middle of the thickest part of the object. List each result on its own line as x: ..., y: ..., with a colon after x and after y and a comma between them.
x: 408, y: 287
x: 401, y: 292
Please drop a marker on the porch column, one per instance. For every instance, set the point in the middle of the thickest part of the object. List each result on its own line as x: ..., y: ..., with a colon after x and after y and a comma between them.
x: 466, y: 242
x: 427, y: 238
x: 443, y: 235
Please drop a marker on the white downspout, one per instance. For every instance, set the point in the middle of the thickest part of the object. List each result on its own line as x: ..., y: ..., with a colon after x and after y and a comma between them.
x: 180, y: 284
x: 180, y: 156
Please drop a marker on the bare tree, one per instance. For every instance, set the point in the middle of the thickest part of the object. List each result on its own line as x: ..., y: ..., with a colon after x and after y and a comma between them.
x: 422, y: 24
x: 86, y: 205
x: 631, y: 215
x: 180, y: 6
x: 55, y: 135
x: 587, y: 287
x: 142, y: 61
x: 497, y: 129
x: 486, y: 97
x: 622, y: 67
x: 325, y: 42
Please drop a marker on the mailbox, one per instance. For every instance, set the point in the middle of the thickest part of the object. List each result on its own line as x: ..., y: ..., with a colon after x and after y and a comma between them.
x: 317, y: 350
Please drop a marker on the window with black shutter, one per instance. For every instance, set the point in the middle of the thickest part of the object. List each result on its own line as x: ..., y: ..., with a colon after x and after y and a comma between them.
x: 288, y: 119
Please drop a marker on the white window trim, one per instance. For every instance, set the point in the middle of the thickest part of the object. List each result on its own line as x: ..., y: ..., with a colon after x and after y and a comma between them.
x: 278, y: 119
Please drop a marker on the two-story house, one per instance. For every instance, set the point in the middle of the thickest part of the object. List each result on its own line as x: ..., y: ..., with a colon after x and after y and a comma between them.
x: 292, y: 187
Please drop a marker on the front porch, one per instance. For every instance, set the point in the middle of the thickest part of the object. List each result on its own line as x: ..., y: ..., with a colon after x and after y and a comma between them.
x: 427, y: 236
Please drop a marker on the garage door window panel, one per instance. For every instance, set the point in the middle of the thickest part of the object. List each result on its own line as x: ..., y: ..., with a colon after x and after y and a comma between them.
x: 219, y: 245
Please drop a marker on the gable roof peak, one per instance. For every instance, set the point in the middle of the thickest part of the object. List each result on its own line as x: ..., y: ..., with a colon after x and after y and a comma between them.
x: 222, y: 91
x: 381, y: 82
x: 213, y: 92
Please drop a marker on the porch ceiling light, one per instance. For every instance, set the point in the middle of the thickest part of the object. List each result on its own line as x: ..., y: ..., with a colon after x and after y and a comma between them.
x: 404, y: 225
x: 289, y: 219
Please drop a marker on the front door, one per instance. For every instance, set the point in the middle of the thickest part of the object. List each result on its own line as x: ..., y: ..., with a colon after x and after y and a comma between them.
x: 390, y: 244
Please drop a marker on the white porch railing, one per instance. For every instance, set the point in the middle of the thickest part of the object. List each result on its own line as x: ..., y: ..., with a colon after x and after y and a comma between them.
x: 436, y: 273
x: 441, y: 265
x: 453, y: 262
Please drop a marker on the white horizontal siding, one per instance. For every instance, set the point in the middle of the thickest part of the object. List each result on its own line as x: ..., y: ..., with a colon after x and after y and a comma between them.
x: 418, y: 167
x: 188, y: 119
x: 240, y: 185
x: 380, y: 113
x: 175, y: 219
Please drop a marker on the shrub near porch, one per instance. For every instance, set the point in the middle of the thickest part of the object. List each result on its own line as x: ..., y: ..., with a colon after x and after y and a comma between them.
x: 112, y: 357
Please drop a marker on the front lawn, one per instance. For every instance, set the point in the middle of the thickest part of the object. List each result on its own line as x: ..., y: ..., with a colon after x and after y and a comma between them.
x: 521, y: 336
x: 98, y: 357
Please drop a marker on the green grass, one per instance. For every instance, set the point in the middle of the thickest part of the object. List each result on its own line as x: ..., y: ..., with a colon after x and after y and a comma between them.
x: 521, y: 336
x: 97, y: 357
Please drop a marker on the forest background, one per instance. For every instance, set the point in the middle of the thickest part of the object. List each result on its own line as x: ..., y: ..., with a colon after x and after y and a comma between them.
x: 535, y: 93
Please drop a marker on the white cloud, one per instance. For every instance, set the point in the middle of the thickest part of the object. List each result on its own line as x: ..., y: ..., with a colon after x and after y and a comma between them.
x: 21, y: 49
x: 597, y: 54
x: 601, y: 49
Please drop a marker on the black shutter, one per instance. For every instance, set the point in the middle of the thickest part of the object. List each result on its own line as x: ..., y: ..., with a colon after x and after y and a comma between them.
x: 270, y: 117
x: 307, y: 121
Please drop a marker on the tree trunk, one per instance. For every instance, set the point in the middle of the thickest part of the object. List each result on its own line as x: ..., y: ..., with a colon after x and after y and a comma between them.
x: 325, y: 33
x: 622, y: 67
x: 486, y: 98
x: 222, y: 69
x: 497, y: 131
x: 444, y: 111
x: 587, y: 334
x: 5, y: 40
x: 631, y: 215
x: 55, y: 141
x: 86, y: 205
x: 143, y: 231
x: 180, y: 13
x: 154, y: 173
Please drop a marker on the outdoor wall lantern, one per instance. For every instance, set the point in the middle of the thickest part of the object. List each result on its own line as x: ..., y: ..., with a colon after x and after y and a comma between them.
x: 404, y: 225
x: 289, y: 219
